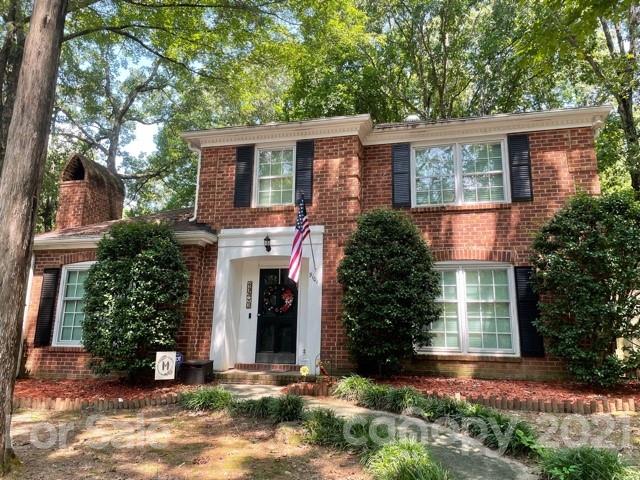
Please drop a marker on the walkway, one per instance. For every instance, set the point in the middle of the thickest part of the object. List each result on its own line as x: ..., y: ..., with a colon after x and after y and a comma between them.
x: 462, y: 455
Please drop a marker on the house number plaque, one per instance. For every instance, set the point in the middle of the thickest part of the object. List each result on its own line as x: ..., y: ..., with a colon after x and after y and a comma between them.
x: 249, y: 293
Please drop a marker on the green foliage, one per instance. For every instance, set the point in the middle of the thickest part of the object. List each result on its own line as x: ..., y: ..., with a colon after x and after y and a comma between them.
x: 389, y: 286
x: 494, y: 429
x: 288, y: 408
x: 207, y: 398
x: 587, y: 272
x: 323, y: 427
x: 405, y: 460
x: 134, y: 298
x: 583, y: 463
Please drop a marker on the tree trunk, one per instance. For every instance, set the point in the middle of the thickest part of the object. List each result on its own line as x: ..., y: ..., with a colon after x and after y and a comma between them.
x: 625, y: 110
x: 19, y: 186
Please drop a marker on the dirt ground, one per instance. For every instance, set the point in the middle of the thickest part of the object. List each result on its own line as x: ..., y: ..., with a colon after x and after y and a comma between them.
x: 168, y: 444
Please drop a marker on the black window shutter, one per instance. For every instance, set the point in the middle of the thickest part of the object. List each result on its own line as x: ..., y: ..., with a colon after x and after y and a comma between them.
x: 520, y: 166
x: 244, y: 176
x: 47, y: 310
x: 304, y: 170
x: 401, y: 171
x: 531, y: 342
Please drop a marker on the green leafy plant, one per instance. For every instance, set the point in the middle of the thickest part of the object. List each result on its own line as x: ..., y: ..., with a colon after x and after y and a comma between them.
x: 389, y: 286
x: 583, y: 463
x: 494, y: 429
x: 135, y: 295
x: 207, y: 398
x: 257, y: 408
x: 288, y: 408
x: 586, y: 258
x: 405, y: 460
x: 323, y: 427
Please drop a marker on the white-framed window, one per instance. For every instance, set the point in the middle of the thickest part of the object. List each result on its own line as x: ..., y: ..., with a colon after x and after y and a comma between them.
x: 478, y: 310
x: 275, y: 175
x: 67, y: 330
x: 456, y: 173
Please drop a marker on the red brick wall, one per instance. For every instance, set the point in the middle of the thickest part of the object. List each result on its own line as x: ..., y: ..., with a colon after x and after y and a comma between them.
x: 85, y: 202
x: 337, y: 201
x: 349, y: 179
x: 193, y: 337
x: 562, y: 162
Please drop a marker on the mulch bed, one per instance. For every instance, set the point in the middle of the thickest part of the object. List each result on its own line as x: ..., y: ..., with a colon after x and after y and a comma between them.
x: 515, y: 389
x: 93, y: 389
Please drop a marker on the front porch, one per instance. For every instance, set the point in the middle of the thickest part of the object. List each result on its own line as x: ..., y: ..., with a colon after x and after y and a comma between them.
x: 266, y: 327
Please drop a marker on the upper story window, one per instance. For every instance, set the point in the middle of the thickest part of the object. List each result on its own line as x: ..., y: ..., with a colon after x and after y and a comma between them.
x: 70, y: 314
x: 275, y: 176
x: 459, y: 173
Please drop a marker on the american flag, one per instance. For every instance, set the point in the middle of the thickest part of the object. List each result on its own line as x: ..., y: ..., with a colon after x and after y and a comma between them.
x: 302, y: 232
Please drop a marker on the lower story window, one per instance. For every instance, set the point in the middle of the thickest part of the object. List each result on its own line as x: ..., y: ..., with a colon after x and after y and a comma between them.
x: 477, y: 311
x: 70, y: 315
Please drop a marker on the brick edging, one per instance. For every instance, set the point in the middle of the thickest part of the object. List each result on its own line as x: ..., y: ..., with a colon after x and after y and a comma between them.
x: 553, y: 405
x: 79, y: 404
x: 585, y: 407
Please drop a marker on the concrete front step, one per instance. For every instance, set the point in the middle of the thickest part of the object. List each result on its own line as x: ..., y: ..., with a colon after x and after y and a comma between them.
x: 260, y: 377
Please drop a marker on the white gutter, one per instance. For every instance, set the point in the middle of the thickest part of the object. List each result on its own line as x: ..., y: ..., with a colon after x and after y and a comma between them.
x: 195, y: 205
x: 198, y: 237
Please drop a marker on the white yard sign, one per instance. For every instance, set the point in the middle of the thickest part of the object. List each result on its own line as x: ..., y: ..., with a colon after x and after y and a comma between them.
x: 165, y: 365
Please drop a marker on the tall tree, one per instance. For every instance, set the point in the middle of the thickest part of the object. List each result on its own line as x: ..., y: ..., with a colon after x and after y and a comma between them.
x: 21, y: 180
x: 601, y: 41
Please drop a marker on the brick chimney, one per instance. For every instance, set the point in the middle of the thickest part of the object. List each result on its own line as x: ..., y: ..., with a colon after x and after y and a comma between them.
x: 89, y: 193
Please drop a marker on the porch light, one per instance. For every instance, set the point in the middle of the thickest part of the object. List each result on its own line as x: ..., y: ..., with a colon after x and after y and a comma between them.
x: 267, y: 243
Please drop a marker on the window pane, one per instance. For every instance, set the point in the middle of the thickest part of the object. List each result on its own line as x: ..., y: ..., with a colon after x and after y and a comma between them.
x: 275, y: 177
x: 488, y: 309
x: 482, y: 179
x: 435, y: 177
x: 438, y: 340
x: 65, y: 333
x: 77, y: 334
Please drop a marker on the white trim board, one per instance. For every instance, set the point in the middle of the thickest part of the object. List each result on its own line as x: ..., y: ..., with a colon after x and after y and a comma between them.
x: 362, y: 126
x: 200, y: 238
x: 241, y: 254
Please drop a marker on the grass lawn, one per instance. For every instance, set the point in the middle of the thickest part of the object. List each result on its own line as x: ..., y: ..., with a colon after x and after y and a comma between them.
x: 168, y: 443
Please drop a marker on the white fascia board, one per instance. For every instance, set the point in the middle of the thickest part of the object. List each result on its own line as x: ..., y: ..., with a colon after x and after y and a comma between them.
x: 359, y: 125
x: 200, y: 238
x: 505, y: 124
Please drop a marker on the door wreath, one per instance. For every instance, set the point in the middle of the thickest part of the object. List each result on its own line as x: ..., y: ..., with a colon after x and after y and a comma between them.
x: 278, y: 299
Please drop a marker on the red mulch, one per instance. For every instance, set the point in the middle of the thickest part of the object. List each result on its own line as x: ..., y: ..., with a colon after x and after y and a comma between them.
x: 520, y: 389
x: 93, y: 389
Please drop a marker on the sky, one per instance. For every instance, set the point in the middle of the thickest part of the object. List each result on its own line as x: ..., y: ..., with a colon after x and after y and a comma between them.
x: 143, y: 143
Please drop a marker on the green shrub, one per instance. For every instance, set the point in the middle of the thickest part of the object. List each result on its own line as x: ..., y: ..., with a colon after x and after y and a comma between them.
x: 352, y: 388
x: 288, y: 408
x: 586, y: 263
x: 405, y: 460
x: 134, y: 298
x: 389, y: 286
x: 496, y: 430
x: 207, y: 398
x: 258, y: 408
x: 323, y: 427
x: 583, y: 463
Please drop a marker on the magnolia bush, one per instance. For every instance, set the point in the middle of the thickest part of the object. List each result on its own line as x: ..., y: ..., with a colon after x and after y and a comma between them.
x: 135, y: 294
x: 587, y: 260
x: 390, y: 290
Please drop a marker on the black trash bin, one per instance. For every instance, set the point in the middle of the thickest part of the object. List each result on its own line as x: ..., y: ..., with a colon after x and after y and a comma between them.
x: 196, y: 372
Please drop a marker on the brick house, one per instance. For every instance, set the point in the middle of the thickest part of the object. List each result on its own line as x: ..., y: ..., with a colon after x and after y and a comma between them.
x: 478, y: 189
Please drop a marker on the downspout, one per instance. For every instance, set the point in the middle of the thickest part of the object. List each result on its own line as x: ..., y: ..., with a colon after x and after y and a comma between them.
x: 27, y: 299
x: 195, y: 206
